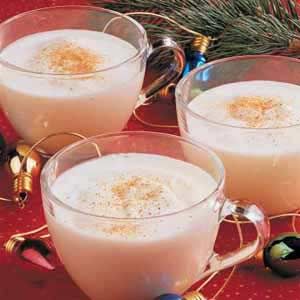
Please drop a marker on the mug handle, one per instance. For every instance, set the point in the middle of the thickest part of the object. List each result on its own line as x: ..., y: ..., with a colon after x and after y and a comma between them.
x: 173, y: 73
x: 256, y: 216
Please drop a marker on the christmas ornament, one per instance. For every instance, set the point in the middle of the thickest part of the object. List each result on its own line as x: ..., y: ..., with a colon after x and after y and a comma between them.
x: 188, y: 296
x: 282, y: 254
x: 169, y: 297
x: 25, y: 163
x: 23, y: 173
x: 2, y: 149
x: 32, y: 250
x: 235, y: 27
x: 26, y: 246
x: 196, y: 55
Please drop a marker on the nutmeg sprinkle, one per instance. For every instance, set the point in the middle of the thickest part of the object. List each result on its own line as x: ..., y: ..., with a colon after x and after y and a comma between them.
x: 69, y: 58
x: 255, y: 111
x: 151, y: 189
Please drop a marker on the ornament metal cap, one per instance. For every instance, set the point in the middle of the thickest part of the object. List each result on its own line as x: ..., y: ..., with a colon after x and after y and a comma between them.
x: 201, y: 44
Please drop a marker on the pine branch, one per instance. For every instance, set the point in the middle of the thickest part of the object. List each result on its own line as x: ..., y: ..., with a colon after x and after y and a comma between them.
x: 254, y: 35
x: 240, y: 26
x: 200, y: 15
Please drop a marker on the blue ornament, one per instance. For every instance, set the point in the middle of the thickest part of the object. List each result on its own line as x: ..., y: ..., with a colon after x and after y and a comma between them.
x: 194, y: 60
x: 196, y: 57
x: 193, y: 295
x: 169, y: 297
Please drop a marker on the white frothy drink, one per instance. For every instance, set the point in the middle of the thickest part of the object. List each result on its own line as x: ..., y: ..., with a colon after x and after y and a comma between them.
x: 38, y: 104
x: 262, y: 159
x: 138, y: 258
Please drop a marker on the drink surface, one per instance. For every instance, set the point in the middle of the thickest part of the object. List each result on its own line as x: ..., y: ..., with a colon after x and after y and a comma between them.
x: 266, y: 106
x: 250, y: 104
x: 132, y: 186
x: 68, y: 52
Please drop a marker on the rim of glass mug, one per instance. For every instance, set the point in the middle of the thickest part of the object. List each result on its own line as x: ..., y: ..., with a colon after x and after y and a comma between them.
x: 45, y: 185
x: 184, y: 105
x: 140, y: 52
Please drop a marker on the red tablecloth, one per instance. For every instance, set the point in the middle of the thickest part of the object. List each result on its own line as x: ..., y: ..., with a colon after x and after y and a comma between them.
x: 22, y: 280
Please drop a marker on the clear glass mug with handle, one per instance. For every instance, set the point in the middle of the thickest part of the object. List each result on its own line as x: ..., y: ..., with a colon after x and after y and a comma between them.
x: 166, y: 253
x: 40, y: 101
x: 262, y: 164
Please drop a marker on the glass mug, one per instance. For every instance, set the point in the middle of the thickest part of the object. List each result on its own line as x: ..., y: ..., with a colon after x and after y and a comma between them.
x: 180, y: 250
x: 91, y: 103
x: 267, y: 171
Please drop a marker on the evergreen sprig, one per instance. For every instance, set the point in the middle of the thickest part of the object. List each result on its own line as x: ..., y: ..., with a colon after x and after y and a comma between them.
x: 250, y: 37
x: 239, y: 27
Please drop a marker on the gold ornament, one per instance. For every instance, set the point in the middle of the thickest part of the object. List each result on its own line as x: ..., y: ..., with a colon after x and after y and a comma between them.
x: 23, y: 173
x: 25, y: 163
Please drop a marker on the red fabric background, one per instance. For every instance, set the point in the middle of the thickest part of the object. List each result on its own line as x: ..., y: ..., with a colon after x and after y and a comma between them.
x: 22, y: 280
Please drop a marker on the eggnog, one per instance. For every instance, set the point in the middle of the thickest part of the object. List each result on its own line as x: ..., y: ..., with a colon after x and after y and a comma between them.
x: 69, y: 80
x: 127, y: 245
x: 253, y: 126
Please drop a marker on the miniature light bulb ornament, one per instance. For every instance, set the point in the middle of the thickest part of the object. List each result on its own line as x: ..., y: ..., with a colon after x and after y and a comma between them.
x: 282, y: 254
x: 194, y: 295
x: 23, y: 178
x: 34, y: 251
x: 196, y: 55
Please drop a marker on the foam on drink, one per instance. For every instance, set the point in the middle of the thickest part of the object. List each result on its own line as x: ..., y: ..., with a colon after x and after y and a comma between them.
x: 251, y: 104
x: 132, y: 186
x: 68, y: 51
x: 266, y: 106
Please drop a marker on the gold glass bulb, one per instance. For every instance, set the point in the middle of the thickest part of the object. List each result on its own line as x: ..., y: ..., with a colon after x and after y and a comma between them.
x: 23, y: 179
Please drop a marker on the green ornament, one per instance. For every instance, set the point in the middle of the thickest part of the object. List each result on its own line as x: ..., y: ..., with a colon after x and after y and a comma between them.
x: 282, y: 254
x: 2, y: 149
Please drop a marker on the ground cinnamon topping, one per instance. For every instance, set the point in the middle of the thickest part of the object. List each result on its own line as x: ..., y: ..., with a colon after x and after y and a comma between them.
x: 69, y: 58
x: 146, y: 189
x: 255, y: 111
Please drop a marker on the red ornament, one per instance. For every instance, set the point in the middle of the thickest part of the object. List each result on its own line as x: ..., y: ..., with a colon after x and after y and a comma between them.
x: 32, y: 250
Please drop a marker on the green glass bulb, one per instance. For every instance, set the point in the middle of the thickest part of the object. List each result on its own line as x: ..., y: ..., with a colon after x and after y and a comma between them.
x: 282, y: 254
